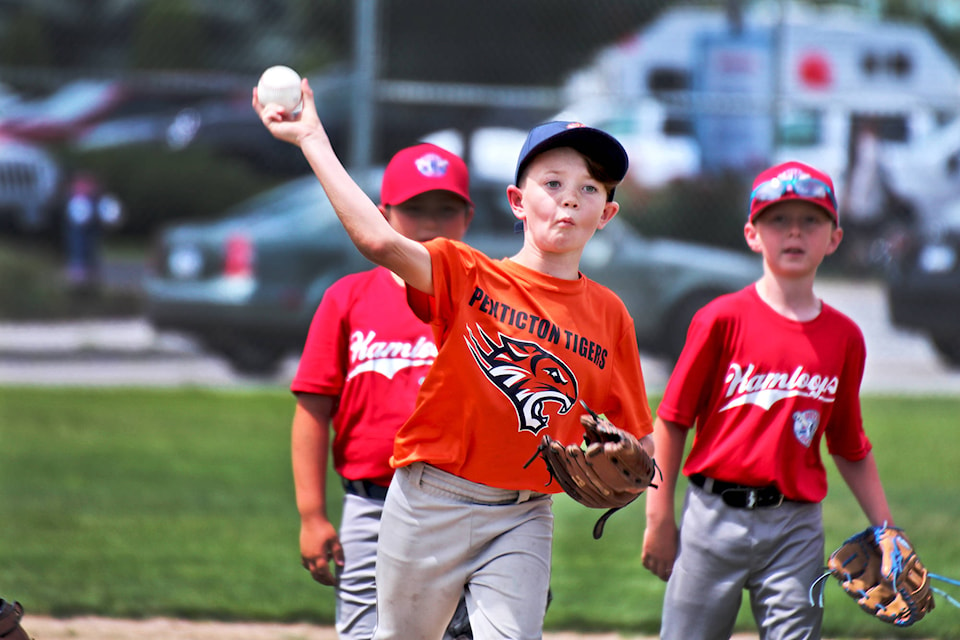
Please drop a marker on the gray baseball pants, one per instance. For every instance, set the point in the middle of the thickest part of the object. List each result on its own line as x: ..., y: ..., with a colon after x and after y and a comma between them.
x: 356, y: 606
x: 442, y: 536
x: 775, y: 554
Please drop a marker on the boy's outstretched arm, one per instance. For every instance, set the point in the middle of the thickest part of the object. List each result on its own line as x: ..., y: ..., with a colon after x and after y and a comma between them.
x: 365, y: 224
x: 660, y: 538
x: 864, y: 481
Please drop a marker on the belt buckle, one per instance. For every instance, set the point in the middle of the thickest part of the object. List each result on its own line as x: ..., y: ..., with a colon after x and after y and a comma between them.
x: 752, y: 498
x: 739, y: 498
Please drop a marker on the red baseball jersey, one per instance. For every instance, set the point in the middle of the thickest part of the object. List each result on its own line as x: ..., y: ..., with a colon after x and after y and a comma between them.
x: 366, y: 347
x: 518, y: 351
x: 762, y: 390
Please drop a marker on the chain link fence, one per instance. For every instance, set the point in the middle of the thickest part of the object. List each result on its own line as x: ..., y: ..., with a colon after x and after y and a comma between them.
x: 703, y: 94
x: 153, y: 98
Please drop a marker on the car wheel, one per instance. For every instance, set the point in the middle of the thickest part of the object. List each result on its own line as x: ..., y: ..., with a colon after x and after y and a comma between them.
x: 675, y: 332
x: 949, y: 349
x: 252, y: 359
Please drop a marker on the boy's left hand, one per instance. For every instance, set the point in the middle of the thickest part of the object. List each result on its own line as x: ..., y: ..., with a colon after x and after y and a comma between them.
x: 880, y: 569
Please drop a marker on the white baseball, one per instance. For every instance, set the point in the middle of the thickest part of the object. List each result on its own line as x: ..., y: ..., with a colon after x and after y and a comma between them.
x: 279, y: 85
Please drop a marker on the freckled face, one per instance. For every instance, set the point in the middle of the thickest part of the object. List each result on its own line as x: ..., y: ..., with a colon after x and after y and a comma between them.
x: 560, y: 202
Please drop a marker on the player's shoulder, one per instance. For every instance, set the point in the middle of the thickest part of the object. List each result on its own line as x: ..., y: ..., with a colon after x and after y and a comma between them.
x: 606, y: 304
x: 730, y: 304
x: 603, y: 294
x: 356, y: 282
x: 839, y: 321
x: 459, y: 255
x: 442, y: 245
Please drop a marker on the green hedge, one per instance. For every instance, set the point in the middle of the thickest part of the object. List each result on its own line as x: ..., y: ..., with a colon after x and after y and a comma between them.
x: 33, y: 287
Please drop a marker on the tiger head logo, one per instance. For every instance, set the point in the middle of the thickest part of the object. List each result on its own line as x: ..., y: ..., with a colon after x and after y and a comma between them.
x: 526, y: 374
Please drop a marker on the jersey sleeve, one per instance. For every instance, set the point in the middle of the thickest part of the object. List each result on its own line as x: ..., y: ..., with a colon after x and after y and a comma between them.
x: 687, y: 389
x: 844, y: 433
x: 453, y: 263
x: 322, y: 367
x: 629, y: 388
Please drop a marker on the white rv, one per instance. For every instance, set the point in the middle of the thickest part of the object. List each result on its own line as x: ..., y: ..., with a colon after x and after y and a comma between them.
x: 781, y: 81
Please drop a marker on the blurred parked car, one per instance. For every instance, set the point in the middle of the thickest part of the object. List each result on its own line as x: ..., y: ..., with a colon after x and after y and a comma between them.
x: 72, y: 111
x: 247, y: 285
x: 923, y: 285
x: 29, y: 185
x: 224, y: 125
x: 232, y: 128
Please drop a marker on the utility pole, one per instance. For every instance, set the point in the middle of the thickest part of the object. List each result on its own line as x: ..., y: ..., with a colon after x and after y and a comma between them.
x: 363, y: 113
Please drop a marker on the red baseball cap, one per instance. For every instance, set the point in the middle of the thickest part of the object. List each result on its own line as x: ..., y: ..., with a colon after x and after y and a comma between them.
x: 421, y: 168
x: 793, y: 181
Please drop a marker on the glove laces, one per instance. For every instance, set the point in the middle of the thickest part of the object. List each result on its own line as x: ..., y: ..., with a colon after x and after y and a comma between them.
x: 896, y: 569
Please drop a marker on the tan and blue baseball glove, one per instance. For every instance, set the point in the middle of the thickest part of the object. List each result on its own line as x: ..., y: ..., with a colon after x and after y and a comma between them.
x: 880, y: 569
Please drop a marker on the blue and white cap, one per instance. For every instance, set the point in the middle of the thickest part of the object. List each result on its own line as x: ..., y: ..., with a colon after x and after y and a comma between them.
x: 595, y: 144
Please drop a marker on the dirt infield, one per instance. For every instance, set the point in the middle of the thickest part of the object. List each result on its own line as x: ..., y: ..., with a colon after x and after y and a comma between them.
x: 90, y: 628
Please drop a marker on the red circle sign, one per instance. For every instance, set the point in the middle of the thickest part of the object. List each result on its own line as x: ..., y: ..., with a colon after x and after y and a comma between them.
x: 815, y: 71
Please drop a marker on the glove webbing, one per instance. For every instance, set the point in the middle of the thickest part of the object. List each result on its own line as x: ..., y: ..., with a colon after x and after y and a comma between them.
x: 598, y: 527
x: 898, y: 566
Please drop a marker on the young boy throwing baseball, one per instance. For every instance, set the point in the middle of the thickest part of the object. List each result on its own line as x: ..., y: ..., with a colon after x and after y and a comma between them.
x: 521, y: 341
x: 364, y: 359
x: 765, y: 374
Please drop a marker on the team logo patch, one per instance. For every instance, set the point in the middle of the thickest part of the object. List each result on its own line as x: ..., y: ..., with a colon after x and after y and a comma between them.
x: 432, y: 165
x: 527, y: 375
x: 805, y: 424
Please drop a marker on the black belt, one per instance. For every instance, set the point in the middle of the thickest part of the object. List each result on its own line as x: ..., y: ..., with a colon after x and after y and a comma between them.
x: 365, y: 489
x: 740, y: 496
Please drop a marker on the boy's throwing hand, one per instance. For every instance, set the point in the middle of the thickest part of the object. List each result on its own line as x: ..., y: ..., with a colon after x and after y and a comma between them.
x: 291, y: 127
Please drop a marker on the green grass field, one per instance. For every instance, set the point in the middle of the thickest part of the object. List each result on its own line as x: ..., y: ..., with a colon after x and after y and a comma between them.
x: 137, y: 503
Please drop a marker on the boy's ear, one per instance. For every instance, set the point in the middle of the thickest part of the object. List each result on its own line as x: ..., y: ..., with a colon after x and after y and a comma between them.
x: 752, y: 237
x: 610, y: 210
x: 835, y: 237
x: 515, y: 198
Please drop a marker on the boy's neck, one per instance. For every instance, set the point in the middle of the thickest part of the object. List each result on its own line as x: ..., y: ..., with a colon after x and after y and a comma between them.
x: 791, y: 298
x: 563, y: 266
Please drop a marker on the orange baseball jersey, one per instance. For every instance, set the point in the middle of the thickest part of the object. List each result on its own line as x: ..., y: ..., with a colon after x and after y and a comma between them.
x: 518, y: 351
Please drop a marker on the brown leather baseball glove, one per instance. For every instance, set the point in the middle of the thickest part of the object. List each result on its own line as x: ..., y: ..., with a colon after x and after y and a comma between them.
x: 880, y: 569
x: 608, y: 471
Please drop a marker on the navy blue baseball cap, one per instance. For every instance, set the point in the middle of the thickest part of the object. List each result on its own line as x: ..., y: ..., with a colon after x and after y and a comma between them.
x: 595, y: 144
